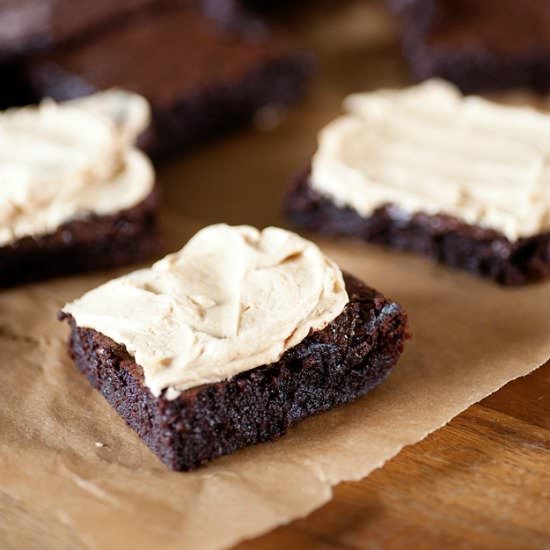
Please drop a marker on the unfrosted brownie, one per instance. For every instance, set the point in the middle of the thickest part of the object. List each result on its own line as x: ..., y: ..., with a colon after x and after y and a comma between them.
x: 478, y: 44
x: 30, y: 25
x: 73, y: 201
x: 321, y: 352
x: 200, y: 82
x: 464, y: 181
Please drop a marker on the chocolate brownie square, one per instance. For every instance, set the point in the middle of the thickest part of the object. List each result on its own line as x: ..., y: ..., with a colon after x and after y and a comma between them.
x: 31, y: 25
x: 226, y: 403
x: 200, y: 77
x: 479, y: 45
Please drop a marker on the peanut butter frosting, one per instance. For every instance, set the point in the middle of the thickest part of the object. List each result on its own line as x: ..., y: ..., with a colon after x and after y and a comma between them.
x: 60, y: 162
x: 429, y: 149
x: 130, y: 112
x: 232, y: 299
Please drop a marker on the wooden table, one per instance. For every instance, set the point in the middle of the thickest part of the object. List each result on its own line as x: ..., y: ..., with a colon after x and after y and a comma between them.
x: 482, y: 481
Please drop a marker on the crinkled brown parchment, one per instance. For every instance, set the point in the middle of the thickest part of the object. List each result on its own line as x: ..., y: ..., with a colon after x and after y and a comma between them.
x: 73, y: 475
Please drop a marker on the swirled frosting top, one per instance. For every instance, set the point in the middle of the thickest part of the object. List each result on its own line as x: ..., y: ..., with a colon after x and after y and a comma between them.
x: 233, y: 298
x: 429, y: 149
x: 64, y: 161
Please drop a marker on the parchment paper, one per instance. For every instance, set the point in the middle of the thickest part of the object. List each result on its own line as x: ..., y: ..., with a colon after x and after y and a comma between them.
x: 73, y: 475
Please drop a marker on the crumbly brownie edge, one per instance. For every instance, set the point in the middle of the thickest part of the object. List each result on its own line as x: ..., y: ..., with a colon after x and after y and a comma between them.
x: 336, y: 365
x: 480, y: 251
x: 94, y: 242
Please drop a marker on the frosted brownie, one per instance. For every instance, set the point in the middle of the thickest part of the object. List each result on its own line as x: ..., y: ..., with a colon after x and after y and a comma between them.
x: 200, y: 82
x: 76, y: 194
x: 229, y: 341
x: 461, y: 179
x: 478, y: 44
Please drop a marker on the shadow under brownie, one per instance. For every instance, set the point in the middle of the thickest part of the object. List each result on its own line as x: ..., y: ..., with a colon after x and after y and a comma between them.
x: 335, y: 365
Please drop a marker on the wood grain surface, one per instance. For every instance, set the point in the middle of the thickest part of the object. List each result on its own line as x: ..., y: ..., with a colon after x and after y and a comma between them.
x: 483, y: 481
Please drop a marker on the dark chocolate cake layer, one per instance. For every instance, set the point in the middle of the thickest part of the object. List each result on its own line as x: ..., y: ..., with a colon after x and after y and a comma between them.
x: 478, y: 44
x: 478, y: 250
x: 336, y: 365
x: 31, y: 25
x: 201, y: 78
x: 95, y: 242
